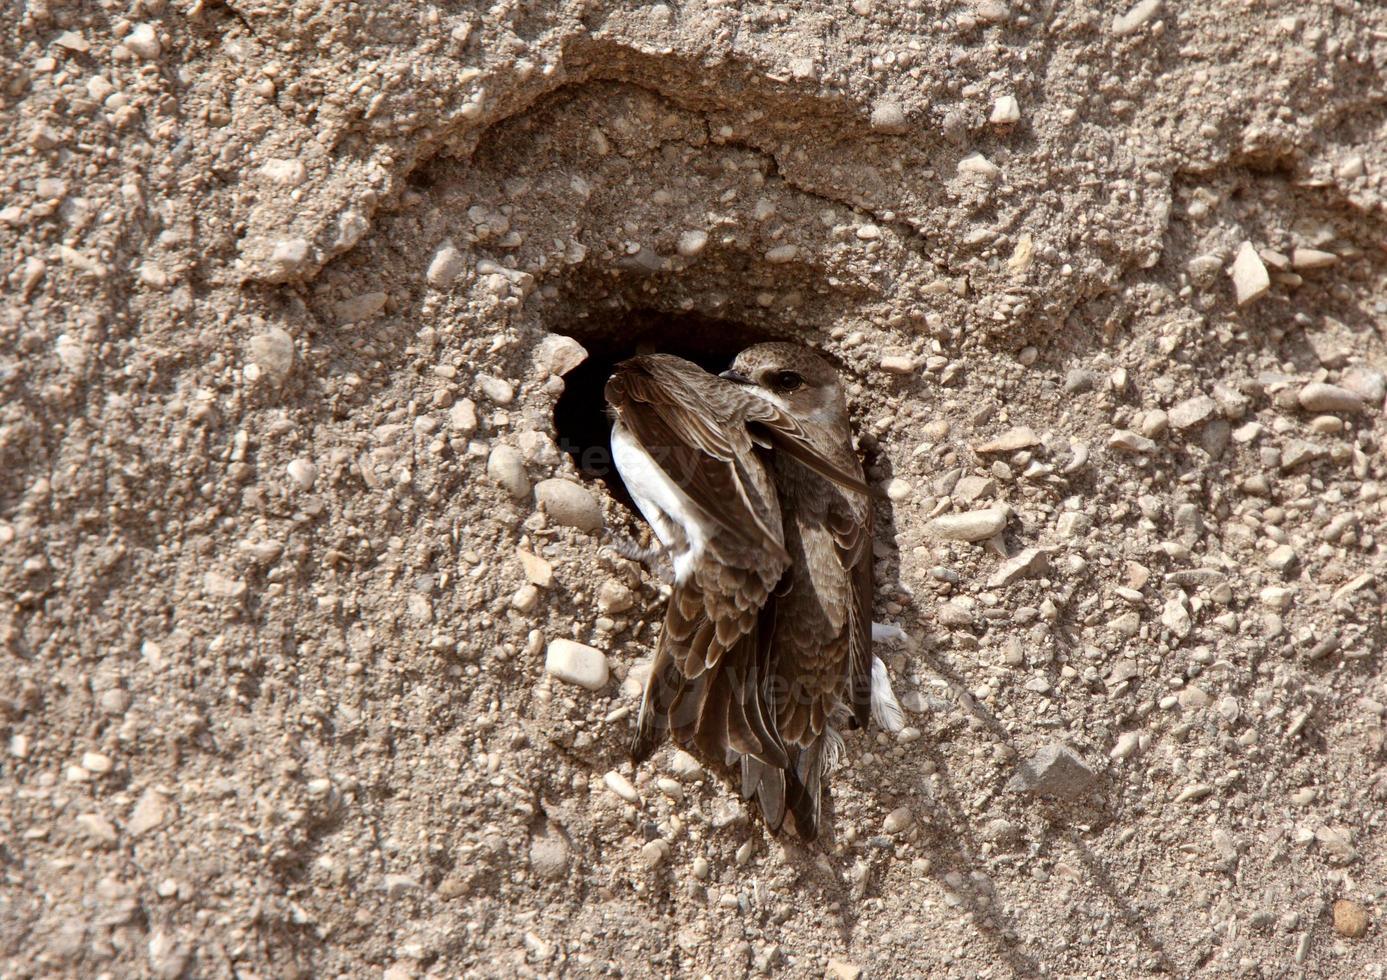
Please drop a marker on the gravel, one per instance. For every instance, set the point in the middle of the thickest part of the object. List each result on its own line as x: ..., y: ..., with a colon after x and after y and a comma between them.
x: 263, y: 724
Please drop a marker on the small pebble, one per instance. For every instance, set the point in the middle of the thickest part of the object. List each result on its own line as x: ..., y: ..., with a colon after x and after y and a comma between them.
x: 1128, y: 23
x: 888, y: 117
x: 97, y: 827
x: 1350, y: 919
x: 1368, y: 384
x: 303, y: 473
x: 898, y: 820
x: 143, y: 42
x: 898, y: 364
x: 1130, y: 441
x: 150, y: 812
x: 671, y: 788
x: 1191, y: 412
x: 1005, y: 111
x: 538, y: 571
x: 1320, y: 397
x: 691, y: 243
x: 842, y: 970
x: 569, y: 504
x: 975, y: 525
x: 506, y: 468
x: 559, y: 354
x: 497, y: 390
x: 655, y: 851
x: 898, y: 489
x: 462, y: 419
x: 622, y: 787
x: 96, y: 763
x: 614, y: 597
x: 274, y: 352
x: 1013, y: 440
x: 1312, y: 258
x: 1056, y: 770
x: 1250, y: 278
x: 446, y: 266
x: 577, y: 663
x: 290, y: 173
x: 976, y: 163
x: 685, y: 766
x: 1029, y: 563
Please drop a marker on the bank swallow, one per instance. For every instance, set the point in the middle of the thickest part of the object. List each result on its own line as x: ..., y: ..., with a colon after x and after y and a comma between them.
x: 750, y: 481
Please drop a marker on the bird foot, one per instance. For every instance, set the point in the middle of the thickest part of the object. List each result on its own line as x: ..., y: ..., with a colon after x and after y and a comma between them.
x: 653, y: 557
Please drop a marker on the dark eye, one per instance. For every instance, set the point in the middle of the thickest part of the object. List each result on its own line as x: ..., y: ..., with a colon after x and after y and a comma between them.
x: 786, y: 381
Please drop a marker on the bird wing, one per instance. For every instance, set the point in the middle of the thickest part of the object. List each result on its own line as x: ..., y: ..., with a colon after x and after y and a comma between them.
x: 707, y: 680
x: 702, y: 444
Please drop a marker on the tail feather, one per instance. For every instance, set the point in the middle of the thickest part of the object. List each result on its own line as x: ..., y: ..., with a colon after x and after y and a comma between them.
x: 767, y: 784
x: 661, y: 690
x: 886, y: 710
x: 804, y: 790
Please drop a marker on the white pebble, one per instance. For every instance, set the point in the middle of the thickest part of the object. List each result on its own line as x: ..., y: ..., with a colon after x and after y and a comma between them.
x: 143, y: 42
x: 655, y: 851
x: 976, y: 163
x: 781, y: 253
x: 898, y: 489
x: 1005, y: 111
x: 446, y: 266
x: 498, y: 390
x: 569, y: 504
x: 576, y: 663
x: 559, y: 354
x: 692, y: 242
x: 622, y: 787
x: 1250, y: 278
x: 685, y: 766
x: 273, y: 351
x: 1130, y: 441
x: 290, y: 173
x: 973, y: 526
x: 462, y: 418
x: 898, y: 820
x: 303, y: 473
x: 1320, y: 397
x: 290, y: 254
x: 506, y: 468
x: 888, y: 117
x: 1128, y: 23
x: 96, y: 763
x: 1312, y: 258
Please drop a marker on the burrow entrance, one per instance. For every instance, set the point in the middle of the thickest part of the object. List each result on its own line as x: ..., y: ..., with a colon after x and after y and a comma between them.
x: 581, y: 424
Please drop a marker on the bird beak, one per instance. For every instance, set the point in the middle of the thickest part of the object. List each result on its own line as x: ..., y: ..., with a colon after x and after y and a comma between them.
x: 736, y: 377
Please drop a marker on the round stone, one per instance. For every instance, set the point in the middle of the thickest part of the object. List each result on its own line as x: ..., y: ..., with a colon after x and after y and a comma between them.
x: 569, y: 504
x: 506, y: 467
x: 1350, y: 919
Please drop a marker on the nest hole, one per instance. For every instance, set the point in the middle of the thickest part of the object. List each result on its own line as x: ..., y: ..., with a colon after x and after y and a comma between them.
x: 581, y: 423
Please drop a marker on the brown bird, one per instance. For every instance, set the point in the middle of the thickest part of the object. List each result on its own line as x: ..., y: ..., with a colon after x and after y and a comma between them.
x: 751, y: 484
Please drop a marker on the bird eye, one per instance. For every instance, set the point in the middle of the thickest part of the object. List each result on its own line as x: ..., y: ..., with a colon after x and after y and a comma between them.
x: 786, y: 380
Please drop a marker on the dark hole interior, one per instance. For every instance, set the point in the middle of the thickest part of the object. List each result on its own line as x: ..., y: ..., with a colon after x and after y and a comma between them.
x: 581, y: 424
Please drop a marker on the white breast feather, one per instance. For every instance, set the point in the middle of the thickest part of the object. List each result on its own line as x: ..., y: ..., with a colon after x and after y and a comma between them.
x: 668, y: 509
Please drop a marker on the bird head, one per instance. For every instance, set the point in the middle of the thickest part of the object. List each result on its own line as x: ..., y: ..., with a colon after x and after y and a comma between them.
x: 793, y: 378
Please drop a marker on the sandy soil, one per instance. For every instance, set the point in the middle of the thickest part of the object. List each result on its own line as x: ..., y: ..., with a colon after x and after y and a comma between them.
x: 279, y: 369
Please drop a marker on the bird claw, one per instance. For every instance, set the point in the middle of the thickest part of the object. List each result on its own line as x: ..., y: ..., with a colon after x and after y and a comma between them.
x: 891, y: 633
x: 653, y: 557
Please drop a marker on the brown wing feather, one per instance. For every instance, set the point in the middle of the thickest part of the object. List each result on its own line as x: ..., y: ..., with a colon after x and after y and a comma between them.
x: 705, y: 454
x: 711, y: 655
